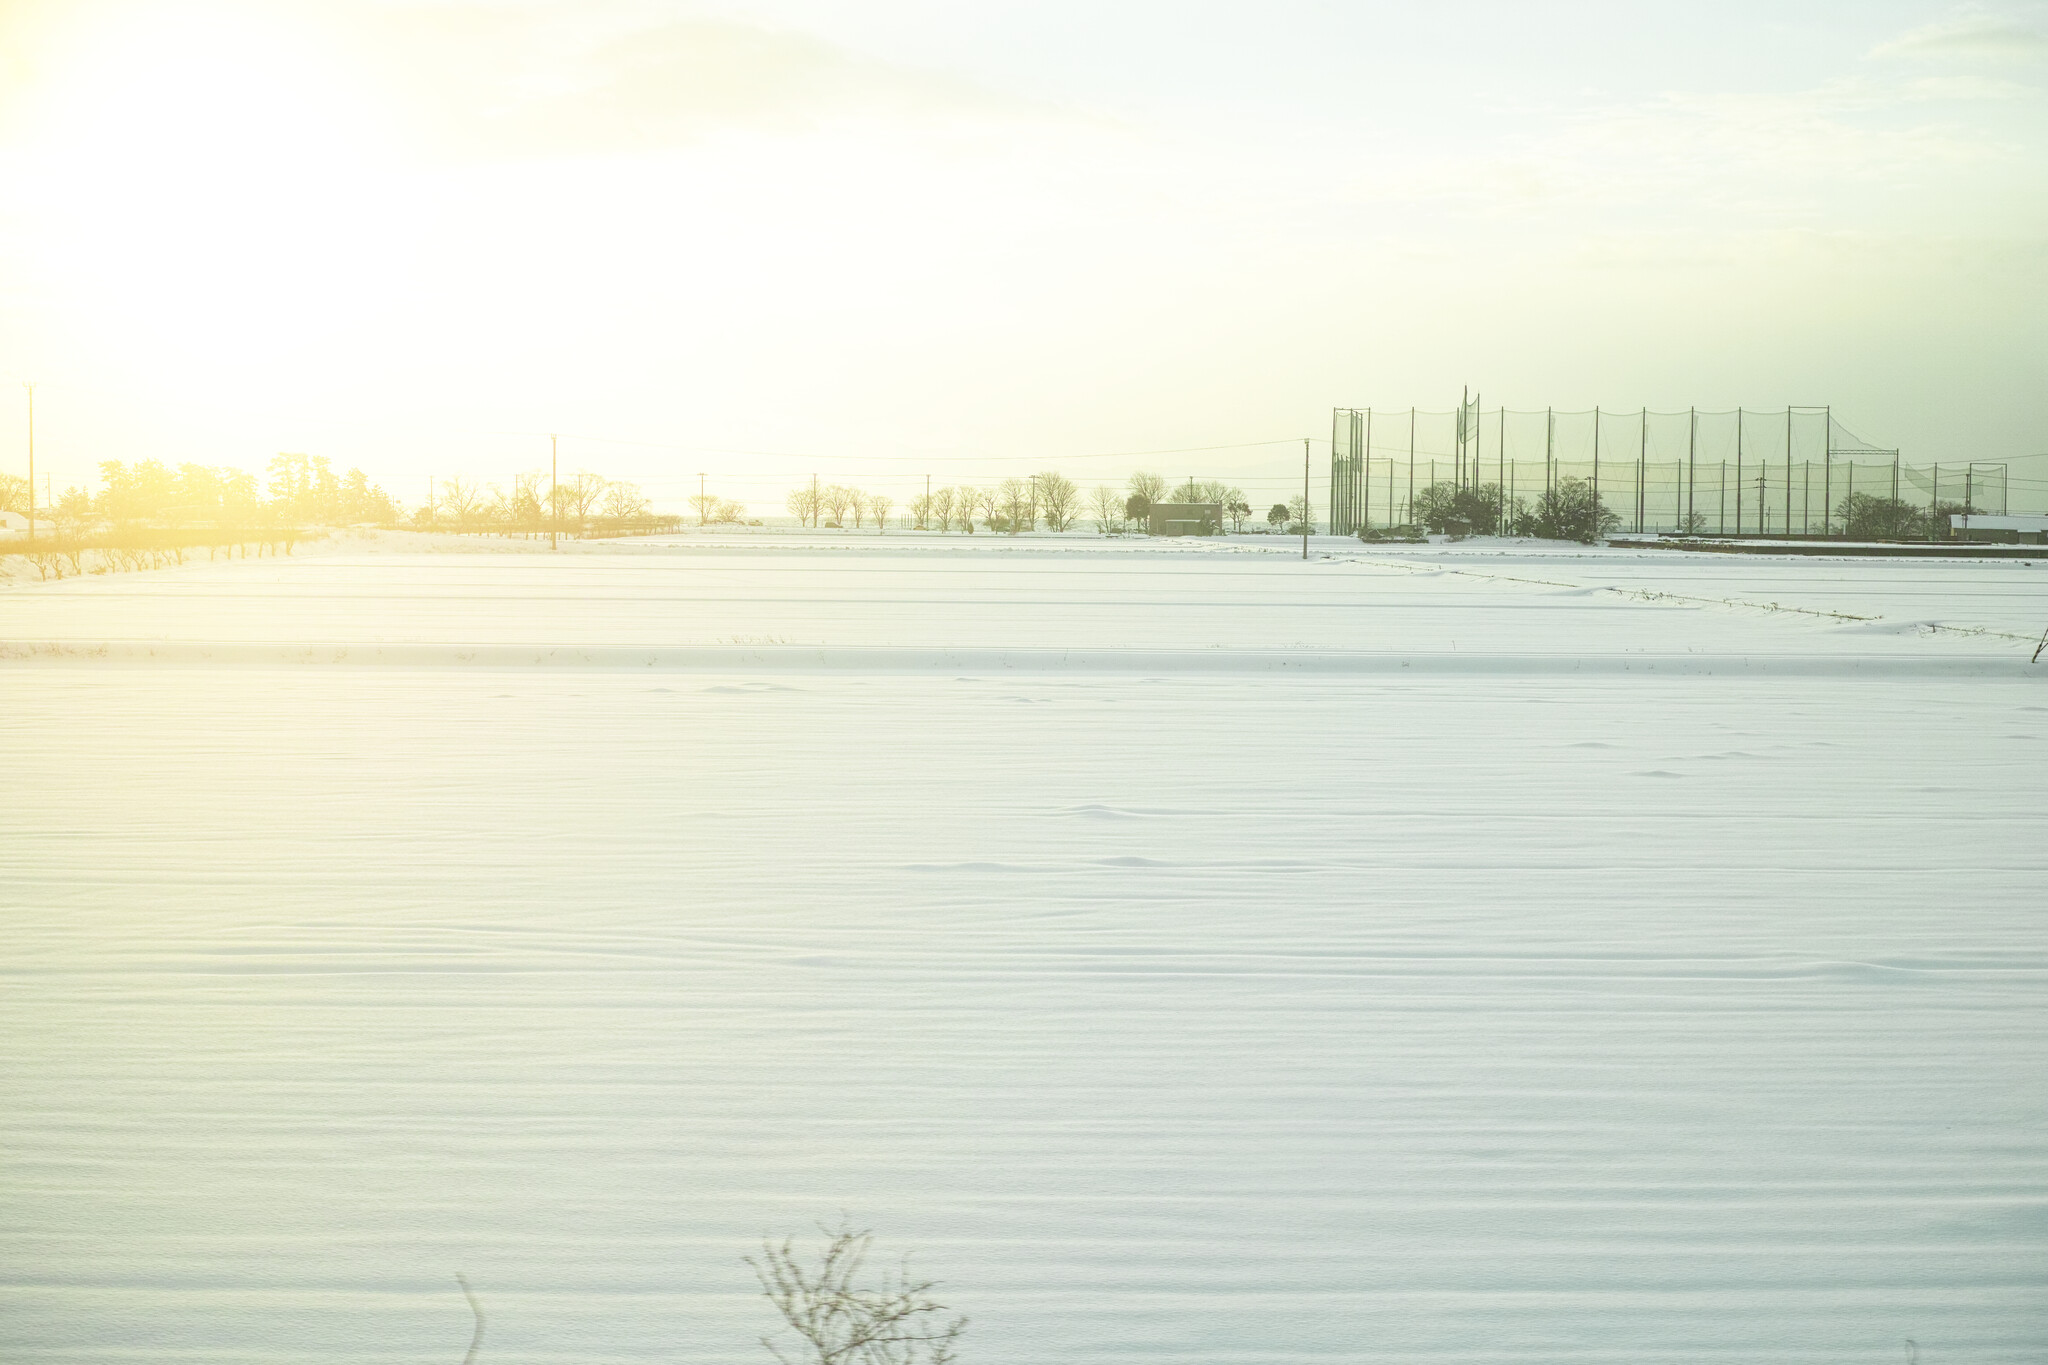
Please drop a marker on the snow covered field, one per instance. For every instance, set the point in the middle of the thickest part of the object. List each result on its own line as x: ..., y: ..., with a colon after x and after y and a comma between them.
x: 1444, y: 954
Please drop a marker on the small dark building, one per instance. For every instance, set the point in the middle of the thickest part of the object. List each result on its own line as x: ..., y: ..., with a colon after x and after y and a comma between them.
x: 1186, y: 519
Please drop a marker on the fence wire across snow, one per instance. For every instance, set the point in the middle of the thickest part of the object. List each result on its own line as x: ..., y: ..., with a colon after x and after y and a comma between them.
x: 1720, y: 473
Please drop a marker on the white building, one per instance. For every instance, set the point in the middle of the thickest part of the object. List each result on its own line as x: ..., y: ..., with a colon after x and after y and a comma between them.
x: 14, y: 526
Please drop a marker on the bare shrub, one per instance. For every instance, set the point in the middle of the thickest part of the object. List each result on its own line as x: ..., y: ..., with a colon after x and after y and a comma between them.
x: 839, y: 1320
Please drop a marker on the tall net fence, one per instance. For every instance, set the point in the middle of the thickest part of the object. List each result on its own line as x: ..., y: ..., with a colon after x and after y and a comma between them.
x: 1788, y: 472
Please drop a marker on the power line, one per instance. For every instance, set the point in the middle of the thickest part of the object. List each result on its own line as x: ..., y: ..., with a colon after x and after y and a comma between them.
x: 926, y: 459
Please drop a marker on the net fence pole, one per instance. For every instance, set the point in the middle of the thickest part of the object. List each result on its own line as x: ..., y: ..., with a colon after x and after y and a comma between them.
x: 1507, y: 472
x: 1549, y: 445
x: 1642, y: 454
x: 1338, y: 417
x: 1411, y: 466
x: 1596, y: 469
x: 1692, y: 447
x: 1738, y: 471
x: 1788, y: 470
x: 1827, y: 472
x: 1390, y: 491
x: 1365, y: 478
x: 1458, y: 475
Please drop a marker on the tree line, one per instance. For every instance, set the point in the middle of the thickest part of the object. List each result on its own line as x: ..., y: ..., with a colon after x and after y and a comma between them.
x: 1573, y: 511
x: 530, y: 505
x: 1013, y: 505
x: 302, y: 489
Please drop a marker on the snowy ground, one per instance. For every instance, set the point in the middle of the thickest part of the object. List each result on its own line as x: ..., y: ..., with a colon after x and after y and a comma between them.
x: 1467, y: 953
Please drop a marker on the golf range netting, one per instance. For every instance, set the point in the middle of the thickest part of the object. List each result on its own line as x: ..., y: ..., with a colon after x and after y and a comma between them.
x: 1726, y: 473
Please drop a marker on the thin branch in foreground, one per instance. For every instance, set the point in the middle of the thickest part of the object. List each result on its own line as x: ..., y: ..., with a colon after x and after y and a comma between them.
x: 477, y: 1337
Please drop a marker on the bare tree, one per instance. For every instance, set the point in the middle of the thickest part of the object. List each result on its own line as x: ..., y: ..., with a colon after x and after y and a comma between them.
x: 623, y: 500
x: 942, y: 508
x: 839, y: 1320
x: 878, y: 508
x: 579, y: 495
x: 523, y: 507
x: 1019, y: 509
x: 1147, y: 485
x: 989, y: 502
x: 1108, y: 506
x: 802, y: 503
x: 461, y: 500
x: 837, y: 498
x: 1059, y: 499
x: 704, y: 504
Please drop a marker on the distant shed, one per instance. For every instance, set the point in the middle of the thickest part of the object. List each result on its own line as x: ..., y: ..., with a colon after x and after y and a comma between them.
x: 1186, y: 519
x: 1982, y: 526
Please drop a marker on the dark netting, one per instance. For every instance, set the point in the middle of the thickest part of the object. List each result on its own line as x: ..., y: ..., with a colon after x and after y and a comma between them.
x: 1789, y: 472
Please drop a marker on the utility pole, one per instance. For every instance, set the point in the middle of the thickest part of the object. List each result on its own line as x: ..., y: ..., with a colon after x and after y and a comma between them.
x: 1304, y: 497
x: 701, y: 503
x: 1642, y: 458
x: 430, y: 502
x: 927, y: 504
x: 554, y: 476
x: 31, y: 458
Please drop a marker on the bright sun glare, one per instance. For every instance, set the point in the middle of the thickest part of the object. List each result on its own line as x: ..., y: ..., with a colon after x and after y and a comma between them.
x: 219, y: 192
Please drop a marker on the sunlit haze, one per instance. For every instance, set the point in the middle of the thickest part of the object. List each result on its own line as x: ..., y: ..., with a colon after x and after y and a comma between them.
x: 767, y: 238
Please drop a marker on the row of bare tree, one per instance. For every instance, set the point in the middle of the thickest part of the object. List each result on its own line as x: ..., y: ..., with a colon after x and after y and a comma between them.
x: 531, y: 506
x: 1048, y: 498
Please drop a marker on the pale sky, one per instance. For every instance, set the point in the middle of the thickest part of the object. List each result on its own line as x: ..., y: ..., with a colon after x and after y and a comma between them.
x: 881, y: 239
